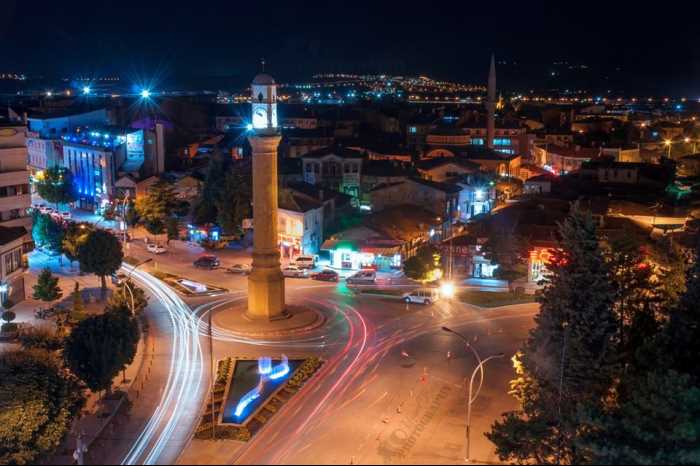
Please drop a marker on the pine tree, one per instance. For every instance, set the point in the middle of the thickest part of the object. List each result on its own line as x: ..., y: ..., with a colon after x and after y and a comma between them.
x: 681, y: 336
x: 46, y: 288
x: 638, y: 301
x: 567, y: 363
x: 656, y: 422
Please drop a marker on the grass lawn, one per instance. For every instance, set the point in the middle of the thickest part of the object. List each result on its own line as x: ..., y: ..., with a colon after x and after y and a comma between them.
x: 494, y: 298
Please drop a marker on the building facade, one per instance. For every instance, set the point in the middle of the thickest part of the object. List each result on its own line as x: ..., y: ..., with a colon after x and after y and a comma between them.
x: 15, y: 243
x: 336, y: 168
x: 15, y: 196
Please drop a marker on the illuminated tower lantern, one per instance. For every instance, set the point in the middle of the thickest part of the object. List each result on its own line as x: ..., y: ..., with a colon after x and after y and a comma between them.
x: 265, y: 282
x: 491, y: 104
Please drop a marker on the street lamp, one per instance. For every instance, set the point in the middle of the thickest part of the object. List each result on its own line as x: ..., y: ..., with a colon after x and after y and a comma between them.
x: 472, y: 397
x: 667, y: 143
x: 146, y: 94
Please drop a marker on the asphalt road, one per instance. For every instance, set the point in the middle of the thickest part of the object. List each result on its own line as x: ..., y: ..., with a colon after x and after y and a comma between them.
x: 388, y: 392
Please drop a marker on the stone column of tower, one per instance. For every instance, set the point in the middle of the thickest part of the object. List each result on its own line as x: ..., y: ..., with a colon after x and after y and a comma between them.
x: 491, y: 104
x: 265, y: 282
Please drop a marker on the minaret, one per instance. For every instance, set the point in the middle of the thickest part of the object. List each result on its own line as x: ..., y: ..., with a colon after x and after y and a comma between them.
x: 265, y: 282
x: 491, y: 104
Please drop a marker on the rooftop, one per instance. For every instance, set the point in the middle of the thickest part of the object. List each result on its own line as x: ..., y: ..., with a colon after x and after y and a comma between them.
x: 339, y: 151
x: 10, y: 234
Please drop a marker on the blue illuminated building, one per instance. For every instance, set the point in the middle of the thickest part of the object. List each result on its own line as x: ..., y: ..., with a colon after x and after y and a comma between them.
x: 96, y: 155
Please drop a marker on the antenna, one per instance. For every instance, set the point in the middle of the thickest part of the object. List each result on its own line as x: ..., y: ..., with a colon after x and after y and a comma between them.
x: 262, y: 64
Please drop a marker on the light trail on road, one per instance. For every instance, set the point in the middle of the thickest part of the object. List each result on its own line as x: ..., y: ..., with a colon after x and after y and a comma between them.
x: 183, y: 389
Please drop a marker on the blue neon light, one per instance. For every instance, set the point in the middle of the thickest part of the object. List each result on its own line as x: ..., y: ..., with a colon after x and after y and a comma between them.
x: 266, y: 372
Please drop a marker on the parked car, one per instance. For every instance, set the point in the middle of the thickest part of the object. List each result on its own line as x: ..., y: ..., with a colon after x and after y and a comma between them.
x: 207, y: 262
x: 293, y: 271
x: 66, y: 215
x: 363, y: 277
x: 326, y: 275
x: 306, y: 262
x: 422, y: 296
x: 239, y: 268
x: 155, y: 248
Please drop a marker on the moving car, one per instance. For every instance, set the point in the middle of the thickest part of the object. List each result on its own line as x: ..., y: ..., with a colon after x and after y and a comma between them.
x: 66, y: 215
x: 156, y: 248
x: 292, y: 271
x: 207, y: 262
x: 239, y: 268
x: 422, y: 296
x: 326, y: 275
x: 305, y: 262
x: 363, y: 277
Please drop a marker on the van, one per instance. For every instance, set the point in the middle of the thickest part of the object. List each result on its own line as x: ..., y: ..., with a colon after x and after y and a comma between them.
x: 363, y: 277
x: 422, y: 296
x: 305, y: 262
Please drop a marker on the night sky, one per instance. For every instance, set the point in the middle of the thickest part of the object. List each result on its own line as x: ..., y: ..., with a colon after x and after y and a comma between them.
x: 630, y: 47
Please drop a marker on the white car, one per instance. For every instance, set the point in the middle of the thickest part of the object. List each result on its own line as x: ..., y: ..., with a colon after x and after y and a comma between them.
x: 66, y: 215
x: 156, y: 249
x: 363, y: 277
x: 292, y: 271
x: 425, y: 296
x: 239, y: 268
x: 306, y: 262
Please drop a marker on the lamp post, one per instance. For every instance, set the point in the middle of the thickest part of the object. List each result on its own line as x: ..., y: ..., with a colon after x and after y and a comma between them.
x: 471, y: 397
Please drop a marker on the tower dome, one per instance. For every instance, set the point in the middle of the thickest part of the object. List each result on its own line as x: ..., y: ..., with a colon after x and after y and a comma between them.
x: 264, y: 79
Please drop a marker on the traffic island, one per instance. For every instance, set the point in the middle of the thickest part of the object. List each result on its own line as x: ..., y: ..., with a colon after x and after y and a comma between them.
x: 247, y: 393
x: 188, y: 288
x: 298, y: 319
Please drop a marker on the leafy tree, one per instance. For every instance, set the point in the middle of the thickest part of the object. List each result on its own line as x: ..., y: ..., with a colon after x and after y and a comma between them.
x: 37, y: 403
x: 47, y: 288
x: 173, y: 228
x: 101, y: 254
x: 101, y: 346
x: 233, y: 203
x: 132, y: 216
x: 8, y: 316
x: 567, y: 364
x: 206, y: 208
x: 508, y: 250
x: 47, y: 232
x: 75, y: 235
x: 656, y: 422
x: 121, y: 298
x: 156, y: 207
x: 420, y: 266
x: 56, y: 186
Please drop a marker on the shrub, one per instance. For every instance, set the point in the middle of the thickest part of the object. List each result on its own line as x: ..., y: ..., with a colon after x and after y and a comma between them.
x: 8, y: 316
x: 9, y: 328
x: 41, y: 338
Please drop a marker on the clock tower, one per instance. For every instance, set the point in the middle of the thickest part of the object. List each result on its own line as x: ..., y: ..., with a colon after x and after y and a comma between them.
x: 265, y: 282
x: 264, y: 101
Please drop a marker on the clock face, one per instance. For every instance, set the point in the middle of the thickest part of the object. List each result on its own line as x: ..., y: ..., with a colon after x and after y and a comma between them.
x: 260, y: 118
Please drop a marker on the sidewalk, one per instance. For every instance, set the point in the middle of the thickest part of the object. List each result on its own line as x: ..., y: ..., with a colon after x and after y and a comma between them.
x: 97, y: 415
